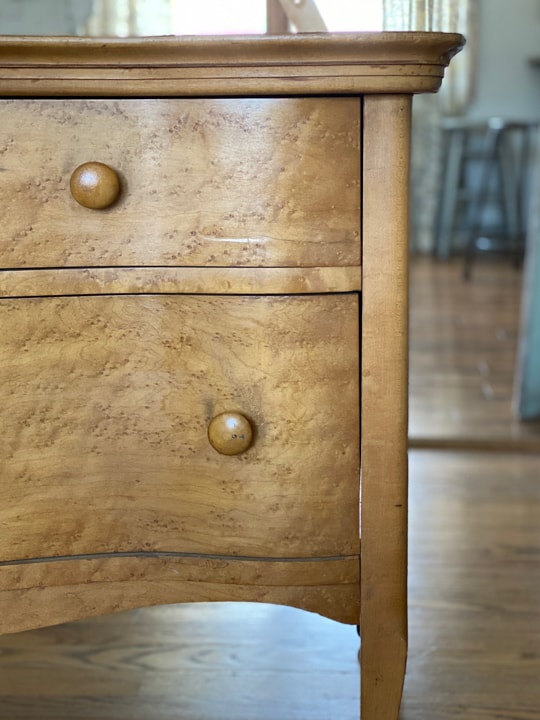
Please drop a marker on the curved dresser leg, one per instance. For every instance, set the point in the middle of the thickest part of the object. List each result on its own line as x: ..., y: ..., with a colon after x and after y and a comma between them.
x: 382, y: 660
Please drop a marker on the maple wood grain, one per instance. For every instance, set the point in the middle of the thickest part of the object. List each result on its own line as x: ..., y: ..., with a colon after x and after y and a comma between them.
x: 106, y: 407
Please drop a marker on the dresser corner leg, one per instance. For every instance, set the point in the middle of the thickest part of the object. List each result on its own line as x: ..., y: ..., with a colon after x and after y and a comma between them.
x: 382, y: 673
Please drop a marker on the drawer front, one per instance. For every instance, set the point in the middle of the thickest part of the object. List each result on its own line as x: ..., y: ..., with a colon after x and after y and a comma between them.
x: 106, y: 404
x: 247, y: 182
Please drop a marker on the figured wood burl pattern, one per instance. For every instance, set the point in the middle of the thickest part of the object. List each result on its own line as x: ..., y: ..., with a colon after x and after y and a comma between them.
x: 195, y: 280
x: 105, y: 409
x: 251, y: 182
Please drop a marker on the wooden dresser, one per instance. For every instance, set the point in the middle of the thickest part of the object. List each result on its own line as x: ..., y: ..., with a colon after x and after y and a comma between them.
x: 203, y: 315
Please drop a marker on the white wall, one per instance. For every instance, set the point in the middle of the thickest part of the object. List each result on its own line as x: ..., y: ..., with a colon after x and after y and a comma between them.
x: 42, y: 17
x: 508, y: 35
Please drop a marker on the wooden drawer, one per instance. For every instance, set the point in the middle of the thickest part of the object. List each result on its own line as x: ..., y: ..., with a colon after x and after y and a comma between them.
x: 106, y: 403
x: 248, y: 182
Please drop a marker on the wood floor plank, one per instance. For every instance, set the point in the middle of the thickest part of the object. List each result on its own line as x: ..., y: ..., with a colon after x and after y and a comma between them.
x: 463, y: 343
x: 474, y: 587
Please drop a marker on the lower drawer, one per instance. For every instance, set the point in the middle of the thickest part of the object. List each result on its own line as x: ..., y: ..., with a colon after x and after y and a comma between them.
x: 105, y: 407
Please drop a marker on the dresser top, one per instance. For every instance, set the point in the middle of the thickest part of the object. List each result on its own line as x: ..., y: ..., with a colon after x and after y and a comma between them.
x: 313, y: 63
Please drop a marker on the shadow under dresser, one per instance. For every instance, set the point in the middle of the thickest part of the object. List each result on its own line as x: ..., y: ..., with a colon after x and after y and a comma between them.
x: 203, y: 311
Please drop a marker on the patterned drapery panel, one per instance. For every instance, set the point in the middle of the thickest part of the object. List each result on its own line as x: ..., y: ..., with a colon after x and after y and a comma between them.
x: 440, y: 16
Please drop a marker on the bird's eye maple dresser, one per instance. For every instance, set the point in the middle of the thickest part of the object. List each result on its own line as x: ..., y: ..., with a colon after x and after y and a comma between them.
x: 203, y: 318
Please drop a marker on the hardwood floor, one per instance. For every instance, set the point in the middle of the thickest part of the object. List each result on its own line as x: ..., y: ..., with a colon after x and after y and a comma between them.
x: 463, y: 355
x: 474, y: 580
x: 474, y: 587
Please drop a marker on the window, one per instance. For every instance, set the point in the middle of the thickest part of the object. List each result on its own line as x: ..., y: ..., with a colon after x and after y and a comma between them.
x: 349, y: 16
x: 223, y: 17
x: 219, y: 17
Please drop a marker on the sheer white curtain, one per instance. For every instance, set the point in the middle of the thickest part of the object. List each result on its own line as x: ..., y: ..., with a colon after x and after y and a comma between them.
x: 430, y: 15
x: 440, y: 16
x: 452, y: 99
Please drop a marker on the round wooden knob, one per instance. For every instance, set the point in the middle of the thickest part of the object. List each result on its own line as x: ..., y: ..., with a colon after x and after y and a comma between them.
x: 95, y: 185
x: 230, y: 433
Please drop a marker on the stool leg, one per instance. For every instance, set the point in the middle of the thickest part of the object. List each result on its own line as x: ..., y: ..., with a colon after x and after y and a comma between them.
x: 453, y: 168
x: 522, y: 189
x: 510, y: 192
x: 481, y: 197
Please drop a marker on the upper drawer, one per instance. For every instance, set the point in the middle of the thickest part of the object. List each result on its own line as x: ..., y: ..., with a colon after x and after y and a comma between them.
x: 236, y: 182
